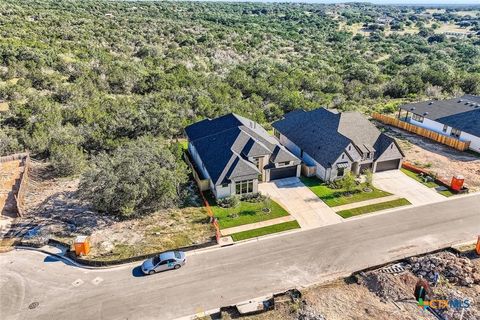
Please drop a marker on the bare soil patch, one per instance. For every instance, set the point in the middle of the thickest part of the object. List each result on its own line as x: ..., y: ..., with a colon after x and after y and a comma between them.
x: 378, y: 294
x: 55, y: 210
x: 442, y: 160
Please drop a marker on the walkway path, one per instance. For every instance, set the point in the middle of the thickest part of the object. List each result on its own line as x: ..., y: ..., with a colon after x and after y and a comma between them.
x: 300, y: 202
x: 365, y: 203
x: 256, y: 225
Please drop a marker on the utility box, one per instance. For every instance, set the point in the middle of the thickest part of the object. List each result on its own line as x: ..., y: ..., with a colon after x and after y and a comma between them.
x: 82, y: 245
x: 457, y: 182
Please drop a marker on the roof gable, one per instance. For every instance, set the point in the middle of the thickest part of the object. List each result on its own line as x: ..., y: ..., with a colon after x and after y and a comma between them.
x: 225, y: 144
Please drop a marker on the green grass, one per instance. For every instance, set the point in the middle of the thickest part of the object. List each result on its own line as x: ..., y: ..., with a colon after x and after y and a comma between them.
x: 373, y: 207
x: 413, y: 175
x: 430, y: 184
x: 336, y: 197
x: 265, y: 230
x: 246, y: 213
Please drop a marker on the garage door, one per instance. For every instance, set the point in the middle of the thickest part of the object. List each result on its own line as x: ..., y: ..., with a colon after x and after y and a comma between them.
x: 280, y: 173
x: 387, y: 165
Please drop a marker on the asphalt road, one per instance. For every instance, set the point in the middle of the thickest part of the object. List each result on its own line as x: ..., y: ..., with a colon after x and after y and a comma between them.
x: 229, y: 275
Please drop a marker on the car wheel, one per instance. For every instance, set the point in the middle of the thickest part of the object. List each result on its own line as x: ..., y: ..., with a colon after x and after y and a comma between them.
x: 177, y: 266
x: 151, y: 272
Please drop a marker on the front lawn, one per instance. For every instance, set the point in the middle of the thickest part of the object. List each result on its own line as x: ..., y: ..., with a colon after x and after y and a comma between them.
x: 413, y: 175
x: 336, y: 197
x: 429, y: 184
x: 265, y: 230
x: 245, y: 213
x: 372, y: 208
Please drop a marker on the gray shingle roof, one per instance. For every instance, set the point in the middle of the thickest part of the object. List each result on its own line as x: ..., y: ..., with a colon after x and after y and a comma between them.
x: 225, y: 143
x: 461, y: 113
x: 324, y: 135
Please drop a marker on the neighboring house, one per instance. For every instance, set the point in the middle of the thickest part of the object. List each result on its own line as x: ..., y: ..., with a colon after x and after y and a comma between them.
x: 236, y: 153
x: 458, y: 117
x: 335, y: 143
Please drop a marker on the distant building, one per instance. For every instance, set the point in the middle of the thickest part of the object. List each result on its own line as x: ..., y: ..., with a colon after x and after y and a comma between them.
x: 458, y: 117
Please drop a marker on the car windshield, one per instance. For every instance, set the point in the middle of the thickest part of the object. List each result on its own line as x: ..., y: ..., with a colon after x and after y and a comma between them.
x: 156, y: 260
x: 177, y: 255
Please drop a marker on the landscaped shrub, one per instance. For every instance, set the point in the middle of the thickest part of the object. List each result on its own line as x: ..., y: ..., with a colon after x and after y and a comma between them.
x: 254, y: 197
x: 348, y: 183
x: 228, y: 202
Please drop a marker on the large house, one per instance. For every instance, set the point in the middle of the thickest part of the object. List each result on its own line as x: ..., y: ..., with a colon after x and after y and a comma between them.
x: 334, y: 143
x: 235, y: 154
x: 458, y: 117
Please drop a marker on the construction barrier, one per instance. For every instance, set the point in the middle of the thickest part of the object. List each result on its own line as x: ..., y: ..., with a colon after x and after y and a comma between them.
x: 438, y: 137
x: 442, y: 182
x: 213, y: 220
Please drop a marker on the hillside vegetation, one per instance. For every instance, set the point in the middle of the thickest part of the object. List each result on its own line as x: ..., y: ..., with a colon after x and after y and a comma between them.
x: 82, y: 78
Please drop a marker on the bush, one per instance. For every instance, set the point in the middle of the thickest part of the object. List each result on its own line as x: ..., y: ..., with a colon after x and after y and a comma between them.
x: 228, y: 202
x: 348, y: 183
x: 141, y: 176
x: 368, y: 177
x: 67, y: 160
x: 254, y: 197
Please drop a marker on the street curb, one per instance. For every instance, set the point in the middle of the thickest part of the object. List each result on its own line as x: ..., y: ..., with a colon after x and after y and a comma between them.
x: 335, y: 276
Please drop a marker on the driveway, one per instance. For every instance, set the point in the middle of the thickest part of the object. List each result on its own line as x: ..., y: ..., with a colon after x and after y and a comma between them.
x: 300, y: 202
x: 398, y: 183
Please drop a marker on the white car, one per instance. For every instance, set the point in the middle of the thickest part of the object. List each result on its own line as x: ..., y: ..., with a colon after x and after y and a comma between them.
x: 164, y: 261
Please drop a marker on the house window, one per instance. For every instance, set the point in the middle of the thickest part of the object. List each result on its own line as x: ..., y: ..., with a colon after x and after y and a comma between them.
x: 340, y: 172
x: 349, y: 148
x: 224, y: 185
x: 276, y: 133
x: 242, y: 187
x: 417, y: 118
x: 455, y: 133
x: 343, y: 156
x: 445, y: 127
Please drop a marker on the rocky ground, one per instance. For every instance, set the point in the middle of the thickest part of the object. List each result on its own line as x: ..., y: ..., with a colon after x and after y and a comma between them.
x: 55, y: 211
x: 388, y: 293
x: 442, y: 160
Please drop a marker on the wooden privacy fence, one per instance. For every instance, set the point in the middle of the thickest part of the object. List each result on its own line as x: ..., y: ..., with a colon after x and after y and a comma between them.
x: 18, y: 185
x: 440, y: 138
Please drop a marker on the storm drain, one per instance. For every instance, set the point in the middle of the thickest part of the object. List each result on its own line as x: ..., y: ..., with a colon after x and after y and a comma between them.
x: 396, y: 268
x: 33, y: 305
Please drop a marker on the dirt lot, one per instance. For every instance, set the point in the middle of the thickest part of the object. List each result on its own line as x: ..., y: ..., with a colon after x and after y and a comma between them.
x: 379, y: 294
x: 52, y: 205
x: 442, y: 160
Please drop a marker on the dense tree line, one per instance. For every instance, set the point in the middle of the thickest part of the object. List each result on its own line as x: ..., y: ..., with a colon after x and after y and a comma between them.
x: 85, y: 78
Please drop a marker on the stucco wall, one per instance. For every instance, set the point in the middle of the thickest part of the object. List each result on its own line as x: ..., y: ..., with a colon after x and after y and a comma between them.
x: 475, y: 141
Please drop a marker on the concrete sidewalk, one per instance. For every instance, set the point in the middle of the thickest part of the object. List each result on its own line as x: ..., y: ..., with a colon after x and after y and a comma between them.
x: 300, y: 202
x: 256, y: 225
x: 365, y: 203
